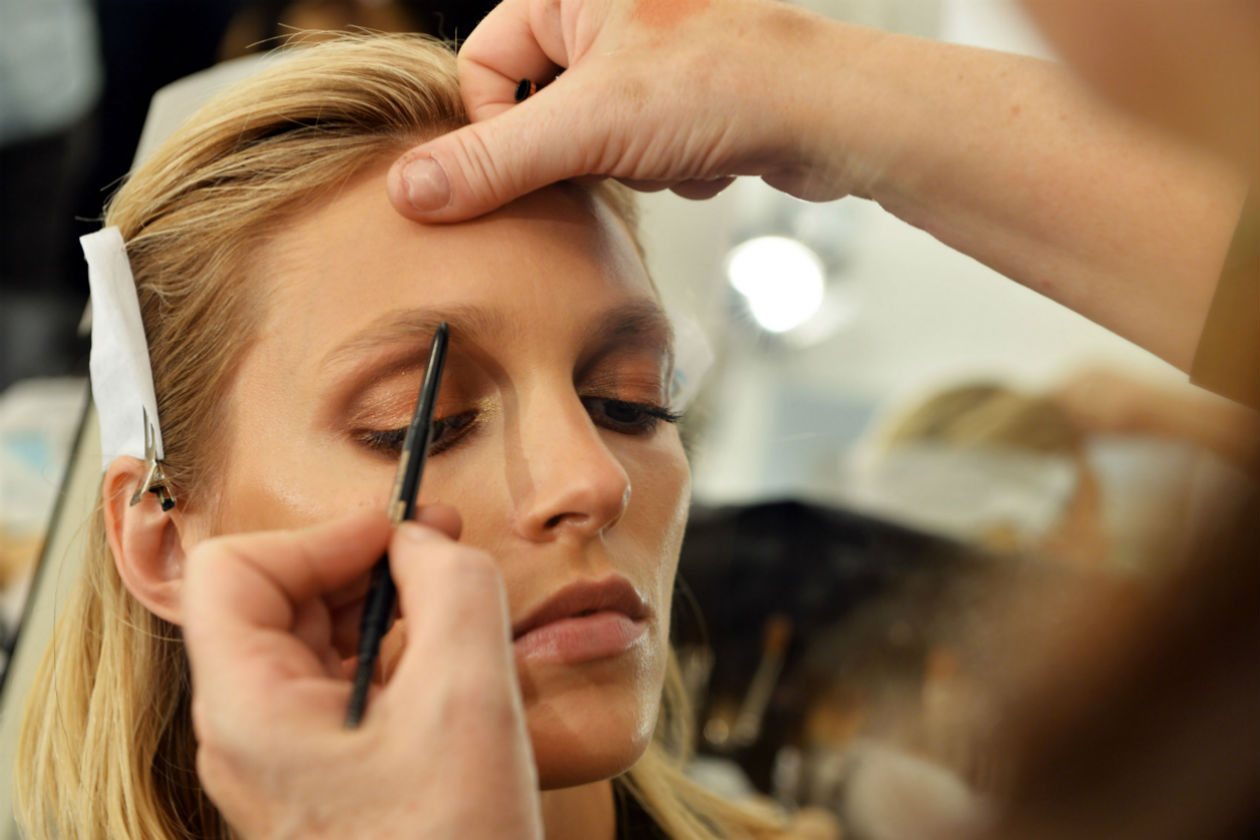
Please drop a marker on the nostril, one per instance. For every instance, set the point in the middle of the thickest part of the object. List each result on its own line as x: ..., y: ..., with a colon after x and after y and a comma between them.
x: 590, y: 507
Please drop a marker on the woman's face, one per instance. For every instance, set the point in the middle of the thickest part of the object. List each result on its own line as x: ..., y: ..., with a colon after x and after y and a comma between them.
x: 547, y: 438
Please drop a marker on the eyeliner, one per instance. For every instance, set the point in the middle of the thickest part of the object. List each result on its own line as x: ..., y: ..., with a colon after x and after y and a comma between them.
x: 378, y: 609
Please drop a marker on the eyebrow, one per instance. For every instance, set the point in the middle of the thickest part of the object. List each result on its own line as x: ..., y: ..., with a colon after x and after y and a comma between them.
x: 637, y: 322
x: 468, y: 323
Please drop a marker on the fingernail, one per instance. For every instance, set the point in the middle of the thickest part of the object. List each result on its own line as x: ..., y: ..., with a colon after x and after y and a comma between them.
x: 414, y: 532
x: 427, y: 187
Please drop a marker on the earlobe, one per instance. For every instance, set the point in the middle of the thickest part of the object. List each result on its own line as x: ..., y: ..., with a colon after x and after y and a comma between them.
x: 145, y: 540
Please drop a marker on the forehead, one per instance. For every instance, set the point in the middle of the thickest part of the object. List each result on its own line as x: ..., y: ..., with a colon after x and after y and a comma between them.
x: 556, y: 257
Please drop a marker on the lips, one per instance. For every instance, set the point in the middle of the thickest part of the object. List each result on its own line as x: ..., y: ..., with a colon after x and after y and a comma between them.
x: 612, y: 594
x: 583, y: 621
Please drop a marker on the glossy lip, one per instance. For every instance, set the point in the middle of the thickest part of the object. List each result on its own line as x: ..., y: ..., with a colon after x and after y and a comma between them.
x: 611, y: 594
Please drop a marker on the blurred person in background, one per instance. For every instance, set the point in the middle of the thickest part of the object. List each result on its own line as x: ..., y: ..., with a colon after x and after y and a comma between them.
x: 1104, y: 470
x: 983, y: 462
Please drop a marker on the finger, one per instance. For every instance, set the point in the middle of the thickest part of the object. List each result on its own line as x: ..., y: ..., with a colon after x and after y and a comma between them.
x: 240, y: 585
x: 424, y: 562
x: 701, y: 190
x: 312, y: 625
x: 513, y: 42
x: 455, y: 605
x: 258, y: 578
x: 644, y: 185
x: 483, y: 166
x: 346, y: 604
x: 347, y: 626
x: 443, y: 518
x: 345, y: 608
x: 807, y: 184
x: 695, y: 189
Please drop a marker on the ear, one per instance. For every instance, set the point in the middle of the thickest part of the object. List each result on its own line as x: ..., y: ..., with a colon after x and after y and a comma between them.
x: 145, y: 540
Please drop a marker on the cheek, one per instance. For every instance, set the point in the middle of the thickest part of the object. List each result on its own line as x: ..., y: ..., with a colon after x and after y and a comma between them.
x: 660, y: 481
x: 472, y: 480
x: 282, y: 470
x: 665, y: 477
x: 283, y: 486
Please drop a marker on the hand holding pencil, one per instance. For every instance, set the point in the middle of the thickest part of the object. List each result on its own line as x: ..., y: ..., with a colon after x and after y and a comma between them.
x: 444, y: 752
x: 378, y: 609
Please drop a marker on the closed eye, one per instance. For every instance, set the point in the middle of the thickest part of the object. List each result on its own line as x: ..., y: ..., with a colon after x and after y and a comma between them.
x: 622, y: 416
x: 630, y: 418
x: 447, y: 432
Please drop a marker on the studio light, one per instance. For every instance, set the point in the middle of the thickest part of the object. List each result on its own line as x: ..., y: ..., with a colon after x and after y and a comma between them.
x: 781, y: 278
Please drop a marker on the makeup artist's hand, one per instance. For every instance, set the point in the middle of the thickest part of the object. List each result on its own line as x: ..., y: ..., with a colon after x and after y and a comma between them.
x: 442, y: 753
x: 1005, y: 157
x: 657, y: 93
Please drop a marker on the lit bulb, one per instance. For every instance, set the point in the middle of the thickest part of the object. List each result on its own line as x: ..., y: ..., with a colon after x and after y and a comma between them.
x: 781, y: 278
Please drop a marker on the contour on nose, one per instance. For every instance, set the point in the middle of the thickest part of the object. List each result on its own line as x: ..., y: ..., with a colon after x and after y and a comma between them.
x: 587, y: 490
x: 608, y: 520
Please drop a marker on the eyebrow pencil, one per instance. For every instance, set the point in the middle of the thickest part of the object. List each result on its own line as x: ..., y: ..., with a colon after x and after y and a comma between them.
x: 378, y: 609
x: 526, y: 88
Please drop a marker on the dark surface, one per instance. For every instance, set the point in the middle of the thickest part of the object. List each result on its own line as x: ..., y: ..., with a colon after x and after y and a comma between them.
x: 816, y: 565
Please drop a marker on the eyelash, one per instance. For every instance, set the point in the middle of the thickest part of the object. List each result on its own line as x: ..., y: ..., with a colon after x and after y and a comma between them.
x: 648, y: 415
x: 449, y: 431
x: 390, y: 441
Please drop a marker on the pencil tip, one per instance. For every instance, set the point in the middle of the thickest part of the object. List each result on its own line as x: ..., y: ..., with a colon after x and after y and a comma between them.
x: 359, y: 692
x: 354, y: 712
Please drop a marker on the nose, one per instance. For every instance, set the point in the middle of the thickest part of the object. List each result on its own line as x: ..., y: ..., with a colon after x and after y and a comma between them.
x: 572, y: 482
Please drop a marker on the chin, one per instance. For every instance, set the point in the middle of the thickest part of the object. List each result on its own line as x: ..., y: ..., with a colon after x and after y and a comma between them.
x: 593, y: 722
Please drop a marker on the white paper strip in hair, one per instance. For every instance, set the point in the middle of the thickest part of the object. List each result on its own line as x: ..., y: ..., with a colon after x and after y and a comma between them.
x: 122, y: 378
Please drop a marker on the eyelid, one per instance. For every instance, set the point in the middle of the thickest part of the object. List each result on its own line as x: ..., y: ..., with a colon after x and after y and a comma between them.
x: 649, y: 415
x: 389, y: 408
x: 657, y: 408
x: 626, y: 389
x: 455, y: 426
x: 383, y: 392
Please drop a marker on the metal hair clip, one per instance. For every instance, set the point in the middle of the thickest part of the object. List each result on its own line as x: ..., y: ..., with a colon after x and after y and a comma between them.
x: 154, y: 479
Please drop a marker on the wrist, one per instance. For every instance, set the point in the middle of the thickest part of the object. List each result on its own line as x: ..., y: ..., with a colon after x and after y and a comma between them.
x: 838, y: 103
x: 845, y: 125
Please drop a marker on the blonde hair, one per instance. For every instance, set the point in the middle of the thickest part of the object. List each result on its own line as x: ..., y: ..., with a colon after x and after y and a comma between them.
x: 107, y: 749
x: 987, y: 415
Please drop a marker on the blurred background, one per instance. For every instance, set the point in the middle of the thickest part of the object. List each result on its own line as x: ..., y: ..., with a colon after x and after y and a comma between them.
x: 892, y: 440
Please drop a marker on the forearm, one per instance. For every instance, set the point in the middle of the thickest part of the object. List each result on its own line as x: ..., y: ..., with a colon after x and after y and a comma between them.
x: 999, y: 156
x: 1005, y: 159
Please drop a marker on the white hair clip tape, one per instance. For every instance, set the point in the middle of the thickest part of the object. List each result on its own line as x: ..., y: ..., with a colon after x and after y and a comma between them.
x: 122, y: 377
x: 692, y: 359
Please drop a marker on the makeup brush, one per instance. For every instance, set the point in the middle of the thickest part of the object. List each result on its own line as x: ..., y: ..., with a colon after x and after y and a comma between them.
x: 378, y: 609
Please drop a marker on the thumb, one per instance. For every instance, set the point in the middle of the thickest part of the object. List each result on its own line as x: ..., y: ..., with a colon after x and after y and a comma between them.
x: 455, y: 606
x: 481, y: 167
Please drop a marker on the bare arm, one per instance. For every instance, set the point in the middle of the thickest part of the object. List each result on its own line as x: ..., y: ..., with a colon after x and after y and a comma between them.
x: 1010, y: 161
x: 1002, y: 157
